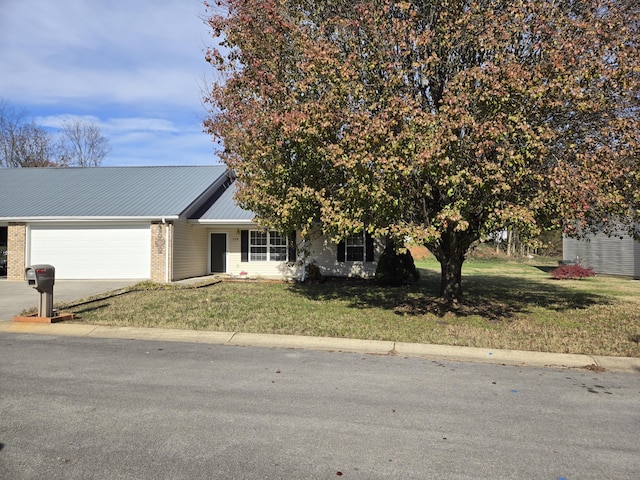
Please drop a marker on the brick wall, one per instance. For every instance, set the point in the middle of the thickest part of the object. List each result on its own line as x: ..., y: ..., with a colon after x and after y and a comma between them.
x: 16, y: 248
x: 159, y: 233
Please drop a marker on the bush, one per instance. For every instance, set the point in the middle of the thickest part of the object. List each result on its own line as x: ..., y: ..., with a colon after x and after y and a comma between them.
x: 313, y: 273
x: 572, y: 272
x: 395, y: 268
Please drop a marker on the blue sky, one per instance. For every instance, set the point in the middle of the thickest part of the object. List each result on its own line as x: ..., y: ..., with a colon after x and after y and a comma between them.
x: 134, y: 67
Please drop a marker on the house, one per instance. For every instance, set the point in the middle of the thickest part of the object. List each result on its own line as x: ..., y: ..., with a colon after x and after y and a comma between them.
x: 618, y: 254
x: 158, y: 223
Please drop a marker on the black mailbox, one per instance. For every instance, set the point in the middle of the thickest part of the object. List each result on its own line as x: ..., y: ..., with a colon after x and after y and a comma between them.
x: 42, y: 278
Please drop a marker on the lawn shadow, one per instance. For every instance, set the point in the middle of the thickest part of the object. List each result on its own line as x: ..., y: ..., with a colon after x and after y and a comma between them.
x: 546, y: 268
x: 494, y: 297
x: 88, y: 309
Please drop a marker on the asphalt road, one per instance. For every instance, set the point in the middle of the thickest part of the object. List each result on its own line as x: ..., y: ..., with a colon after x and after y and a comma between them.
x: 86, y: 408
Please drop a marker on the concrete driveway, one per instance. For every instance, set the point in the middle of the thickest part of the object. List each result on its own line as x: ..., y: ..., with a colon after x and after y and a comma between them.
x: 16, y: 296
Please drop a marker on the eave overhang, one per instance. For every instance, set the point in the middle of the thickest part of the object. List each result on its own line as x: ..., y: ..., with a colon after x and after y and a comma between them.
x: 111, y: 219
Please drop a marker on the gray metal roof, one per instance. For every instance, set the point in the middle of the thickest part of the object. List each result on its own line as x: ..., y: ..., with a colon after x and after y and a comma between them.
x: 104, y: 191
x: 225, y: 209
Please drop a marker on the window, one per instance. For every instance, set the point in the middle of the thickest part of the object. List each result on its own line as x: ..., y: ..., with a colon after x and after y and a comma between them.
x: 258, y: 246
x: 277, y: 247
x: 267, y: 246
x: 355, y: 247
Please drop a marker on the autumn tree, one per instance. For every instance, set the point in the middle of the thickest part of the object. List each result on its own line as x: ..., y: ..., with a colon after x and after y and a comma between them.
x: 442, y: 120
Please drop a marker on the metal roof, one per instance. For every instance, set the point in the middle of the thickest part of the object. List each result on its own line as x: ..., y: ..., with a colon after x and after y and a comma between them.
x: 104, y: 192
x: 226, y: 210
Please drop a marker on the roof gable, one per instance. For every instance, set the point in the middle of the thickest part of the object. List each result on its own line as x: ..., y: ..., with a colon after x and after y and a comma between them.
x: 225, y: 209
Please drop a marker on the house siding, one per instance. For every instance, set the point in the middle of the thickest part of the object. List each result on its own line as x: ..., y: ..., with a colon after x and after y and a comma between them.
x: 269, y: 270
x: 191, y: 250
x: 191, y: 256
x: 325, y: 255
x: 320, y: 250
x: 607, y: 255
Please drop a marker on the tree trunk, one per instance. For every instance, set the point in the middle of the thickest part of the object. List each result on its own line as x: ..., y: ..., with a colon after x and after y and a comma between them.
x: 450, y: 250
x: 451, y: 279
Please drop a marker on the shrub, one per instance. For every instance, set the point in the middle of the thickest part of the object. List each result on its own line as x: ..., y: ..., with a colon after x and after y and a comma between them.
x: 313, y: 273
x: 395, y: 268
x: 572, y: 272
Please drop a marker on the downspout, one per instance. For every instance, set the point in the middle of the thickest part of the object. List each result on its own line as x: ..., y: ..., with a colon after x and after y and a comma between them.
x: 27, y: 248
x: 166, y: 250
x: 304, y: 260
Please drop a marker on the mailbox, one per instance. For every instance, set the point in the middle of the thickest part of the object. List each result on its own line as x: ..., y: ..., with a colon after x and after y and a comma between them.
x: 42, y: 278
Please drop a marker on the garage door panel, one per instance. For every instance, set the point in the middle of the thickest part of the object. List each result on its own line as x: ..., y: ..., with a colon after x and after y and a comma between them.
x: 91, y: 252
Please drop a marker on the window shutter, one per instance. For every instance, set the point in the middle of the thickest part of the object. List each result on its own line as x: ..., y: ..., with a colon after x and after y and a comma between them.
x: 342, y: 251
x: 292, y: 246
x: 368, y: 243
x: 244, y: 245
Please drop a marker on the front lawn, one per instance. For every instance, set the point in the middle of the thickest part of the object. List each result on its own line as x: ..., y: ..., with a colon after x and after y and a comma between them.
x: 508, y: 305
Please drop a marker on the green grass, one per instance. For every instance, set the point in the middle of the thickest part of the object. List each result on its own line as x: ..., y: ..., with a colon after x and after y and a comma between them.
x: 514, y: 305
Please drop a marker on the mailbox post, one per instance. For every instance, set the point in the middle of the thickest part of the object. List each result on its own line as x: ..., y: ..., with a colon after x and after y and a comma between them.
x: 42, y: 278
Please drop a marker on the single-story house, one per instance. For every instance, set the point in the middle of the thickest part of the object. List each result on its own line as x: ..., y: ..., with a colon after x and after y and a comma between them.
x: 618, y: 254
x: 158, y: 223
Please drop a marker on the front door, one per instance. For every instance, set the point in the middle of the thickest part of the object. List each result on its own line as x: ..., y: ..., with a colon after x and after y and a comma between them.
x: 218, y: 252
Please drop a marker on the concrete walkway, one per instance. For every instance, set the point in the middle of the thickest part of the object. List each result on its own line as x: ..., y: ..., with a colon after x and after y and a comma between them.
x: 372, y: 347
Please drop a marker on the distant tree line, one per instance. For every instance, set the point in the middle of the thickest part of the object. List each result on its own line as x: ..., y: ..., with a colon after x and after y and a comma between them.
x: 23, y: 143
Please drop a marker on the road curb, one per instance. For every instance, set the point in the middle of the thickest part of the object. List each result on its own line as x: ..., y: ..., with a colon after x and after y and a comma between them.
x: 375, y: 347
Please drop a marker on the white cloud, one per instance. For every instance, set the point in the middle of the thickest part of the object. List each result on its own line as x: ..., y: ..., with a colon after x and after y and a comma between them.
x: 158, y: 148
x: 55, y: 121
x: 134, y: 67
x: 116, y: 51
x: 113, y: 126
x: 140, y: 124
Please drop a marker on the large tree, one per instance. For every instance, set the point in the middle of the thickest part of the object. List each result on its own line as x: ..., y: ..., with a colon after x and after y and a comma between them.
x: 442, y: 120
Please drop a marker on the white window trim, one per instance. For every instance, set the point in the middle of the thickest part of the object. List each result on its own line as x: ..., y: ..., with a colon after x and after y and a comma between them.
x: 268, y: 246
x: 361, y: 246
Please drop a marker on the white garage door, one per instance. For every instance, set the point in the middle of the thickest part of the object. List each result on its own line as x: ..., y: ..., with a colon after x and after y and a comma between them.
x: 93, y: 252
